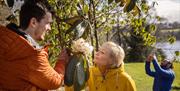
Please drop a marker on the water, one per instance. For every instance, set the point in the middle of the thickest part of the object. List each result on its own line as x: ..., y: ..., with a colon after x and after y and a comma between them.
x: 169, y: 49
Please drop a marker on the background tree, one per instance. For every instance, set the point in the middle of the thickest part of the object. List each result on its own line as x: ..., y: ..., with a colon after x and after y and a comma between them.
x: 128, y: 22
x: 97, y: 14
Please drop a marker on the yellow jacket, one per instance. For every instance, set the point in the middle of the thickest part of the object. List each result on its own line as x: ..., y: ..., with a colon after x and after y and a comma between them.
x: 115, y: 80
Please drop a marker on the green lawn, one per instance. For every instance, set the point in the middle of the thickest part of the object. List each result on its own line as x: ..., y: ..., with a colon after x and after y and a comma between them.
x: 143, y: 81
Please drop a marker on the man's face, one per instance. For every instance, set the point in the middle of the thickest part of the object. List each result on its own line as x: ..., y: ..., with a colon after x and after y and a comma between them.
x: 43, y: 26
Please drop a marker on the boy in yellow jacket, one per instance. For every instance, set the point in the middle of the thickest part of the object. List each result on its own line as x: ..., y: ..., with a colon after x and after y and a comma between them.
x: 109, y: 74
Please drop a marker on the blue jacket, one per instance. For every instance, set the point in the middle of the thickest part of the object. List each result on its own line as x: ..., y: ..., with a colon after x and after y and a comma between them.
x: 163, y: 78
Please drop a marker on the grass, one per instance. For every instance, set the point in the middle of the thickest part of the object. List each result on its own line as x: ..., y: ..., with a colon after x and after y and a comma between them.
x: 144, y: 82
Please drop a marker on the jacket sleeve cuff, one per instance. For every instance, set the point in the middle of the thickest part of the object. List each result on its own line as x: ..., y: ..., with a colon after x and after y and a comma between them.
x: 60, y: 67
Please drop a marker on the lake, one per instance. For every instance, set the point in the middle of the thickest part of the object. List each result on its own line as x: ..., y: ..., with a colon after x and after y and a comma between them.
x: 169, y: 49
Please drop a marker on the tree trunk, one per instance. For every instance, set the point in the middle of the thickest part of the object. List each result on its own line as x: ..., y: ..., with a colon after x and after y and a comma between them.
x: 95, y: 26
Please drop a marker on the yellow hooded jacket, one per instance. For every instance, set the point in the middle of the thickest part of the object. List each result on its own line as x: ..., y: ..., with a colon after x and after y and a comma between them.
x: 115, y: 80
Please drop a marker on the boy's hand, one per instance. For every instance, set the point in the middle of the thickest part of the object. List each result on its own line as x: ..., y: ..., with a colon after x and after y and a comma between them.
x: 150, y: 58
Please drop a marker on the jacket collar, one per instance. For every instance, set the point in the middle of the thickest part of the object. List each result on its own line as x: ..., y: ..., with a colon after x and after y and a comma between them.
x: 115, y: 70
x: 13, y: 27
x: 111, y: 72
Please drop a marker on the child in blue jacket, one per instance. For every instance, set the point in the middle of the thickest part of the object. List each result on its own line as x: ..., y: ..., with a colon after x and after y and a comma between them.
x: 163, y: 74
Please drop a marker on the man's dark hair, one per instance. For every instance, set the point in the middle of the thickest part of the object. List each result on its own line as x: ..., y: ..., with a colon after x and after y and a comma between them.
x: 31, y: 10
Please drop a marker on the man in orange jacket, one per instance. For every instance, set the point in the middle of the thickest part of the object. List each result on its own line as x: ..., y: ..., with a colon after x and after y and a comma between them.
x: 24, y: 64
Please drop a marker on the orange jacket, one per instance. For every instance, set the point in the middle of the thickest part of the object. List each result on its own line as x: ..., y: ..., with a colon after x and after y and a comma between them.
x: 24, y: 68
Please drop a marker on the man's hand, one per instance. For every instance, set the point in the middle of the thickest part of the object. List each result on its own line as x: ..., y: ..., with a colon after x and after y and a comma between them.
x: 63, y: 60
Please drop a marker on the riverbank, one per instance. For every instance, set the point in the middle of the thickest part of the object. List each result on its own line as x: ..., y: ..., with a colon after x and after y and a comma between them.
x: 169, y: 49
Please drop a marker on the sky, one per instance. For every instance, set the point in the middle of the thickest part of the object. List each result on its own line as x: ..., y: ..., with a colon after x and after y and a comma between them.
x: 169, y: 9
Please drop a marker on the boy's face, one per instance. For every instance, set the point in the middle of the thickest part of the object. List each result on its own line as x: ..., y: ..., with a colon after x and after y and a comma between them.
x: 43, y: 26
x: 164, y: 63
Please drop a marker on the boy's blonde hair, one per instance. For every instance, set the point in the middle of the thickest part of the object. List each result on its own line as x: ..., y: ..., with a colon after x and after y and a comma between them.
x: 116, y: 53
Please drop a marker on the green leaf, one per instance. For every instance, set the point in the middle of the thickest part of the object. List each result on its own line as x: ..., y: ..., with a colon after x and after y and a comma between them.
x: 136, y: 10
x: 80, y: 75
x: 154, y: 3
x: 86, y: 32
x: 78, y: 28
x: 110, y: 1
x: 79, y: 10
x: 70, y: 70
x: 10, y: 3
x: 129, y: 6
x: 171, y: 39
x: 177, y: 53
x: 122, y: 3
x: 73, y: 26
x: 86, y: 9
x: 81, y: 28
x: 145, y: 8
x: 153, y: 27
x: 117, y: 1
x: 150, y: 28
x: 147, y: 28
x: 72, y: 20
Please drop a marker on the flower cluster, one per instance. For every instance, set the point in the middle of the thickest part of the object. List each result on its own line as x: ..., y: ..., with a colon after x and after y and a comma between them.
x: 81, y: 46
